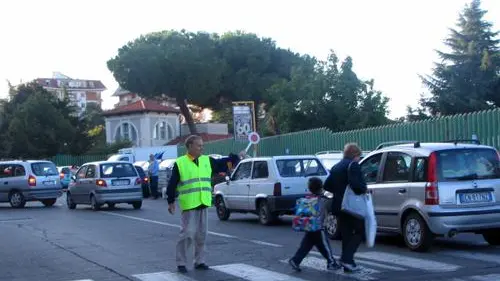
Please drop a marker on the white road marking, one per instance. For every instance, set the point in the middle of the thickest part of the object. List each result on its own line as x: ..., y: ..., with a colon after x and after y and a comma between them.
x: 426, y: 265
x: 369, y: 263
x: 252, y: 273
x: 473, y: 256
x: 488, y: 277
x: 178, y: 226
x: 266, y: 243
x: 163, y: 276
x: 320, y: 264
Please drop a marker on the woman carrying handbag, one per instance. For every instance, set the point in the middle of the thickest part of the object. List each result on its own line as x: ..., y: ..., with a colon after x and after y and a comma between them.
x: 347, y: 174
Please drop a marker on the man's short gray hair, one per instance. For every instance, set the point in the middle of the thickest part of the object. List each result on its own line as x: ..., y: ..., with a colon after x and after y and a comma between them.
x: 192, y: 138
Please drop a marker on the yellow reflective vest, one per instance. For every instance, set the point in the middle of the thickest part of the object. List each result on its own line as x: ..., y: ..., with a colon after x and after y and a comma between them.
x: 195, y: 185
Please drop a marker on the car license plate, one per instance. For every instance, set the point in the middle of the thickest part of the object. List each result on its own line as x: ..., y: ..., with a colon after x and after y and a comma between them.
x: 477, y: 197
x: 49, y: 182
x: 120, y: 182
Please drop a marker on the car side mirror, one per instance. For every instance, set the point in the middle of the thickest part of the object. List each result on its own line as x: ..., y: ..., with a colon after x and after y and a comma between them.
x: 227, y: 180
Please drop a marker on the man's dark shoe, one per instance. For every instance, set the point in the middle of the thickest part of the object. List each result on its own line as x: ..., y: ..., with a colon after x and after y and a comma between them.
x: 182, y: 269
x: 333, y: 266
x: 294, y: 265
x: 201, y: 266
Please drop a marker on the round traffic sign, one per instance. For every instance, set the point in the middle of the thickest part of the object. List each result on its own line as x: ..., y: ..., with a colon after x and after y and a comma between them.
x: 253, y: 137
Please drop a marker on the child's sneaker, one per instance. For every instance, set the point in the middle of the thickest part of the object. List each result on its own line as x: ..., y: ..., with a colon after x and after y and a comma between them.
x: 334, y: 266
x: 294, y: 265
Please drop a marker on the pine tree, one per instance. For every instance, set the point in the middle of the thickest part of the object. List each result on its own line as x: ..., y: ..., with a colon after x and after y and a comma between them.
x: 467, y: 78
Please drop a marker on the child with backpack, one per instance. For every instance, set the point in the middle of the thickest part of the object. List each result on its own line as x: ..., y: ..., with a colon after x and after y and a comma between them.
x: 310, y: 215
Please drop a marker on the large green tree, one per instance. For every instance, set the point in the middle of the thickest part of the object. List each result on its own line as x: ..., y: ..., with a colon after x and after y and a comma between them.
x: 467, y: 78
x: 178, y: 64
x: 203, y: 69
x: 324, y: 94
x: 35, y: 123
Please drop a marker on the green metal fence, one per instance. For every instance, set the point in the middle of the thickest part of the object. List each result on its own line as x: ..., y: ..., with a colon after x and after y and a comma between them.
x: 484, y: 124
x: 68, y: 160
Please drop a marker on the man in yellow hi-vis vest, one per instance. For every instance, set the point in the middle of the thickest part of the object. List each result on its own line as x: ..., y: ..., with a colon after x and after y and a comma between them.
x: 191, y: 181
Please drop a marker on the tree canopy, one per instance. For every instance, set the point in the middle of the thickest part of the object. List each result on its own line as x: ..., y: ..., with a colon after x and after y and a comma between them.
x: 467, y: 77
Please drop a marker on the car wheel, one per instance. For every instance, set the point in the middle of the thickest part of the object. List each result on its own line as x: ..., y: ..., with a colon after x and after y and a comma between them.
x: 111, y: 205
x: 69, y: 201
x: 137, y: 205
x: 93, y: 203
x: 49, y: 202
x: 416, y: 233
x: 222, y: 212
x: 332, y: 226
x: 492, y: 237
x: 266, y: 217
x: 16, y: 199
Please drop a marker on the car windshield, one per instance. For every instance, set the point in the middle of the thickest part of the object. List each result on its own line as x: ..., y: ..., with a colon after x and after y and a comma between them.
x: 44, y: 169
x: 117, y: 170
x: 468, y: 164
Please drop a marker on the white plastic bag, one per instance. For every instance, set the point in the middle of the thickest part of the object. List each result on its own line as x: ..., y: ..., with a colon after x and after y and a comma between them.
x: 354, y: 204
x: 370, y: 222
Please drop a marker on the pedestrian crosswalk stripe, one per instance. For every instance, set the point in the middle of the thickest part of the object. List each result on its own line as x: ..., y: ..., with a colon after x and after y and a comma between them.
x: 163, y: 276
x: 320, y: 264
x: 369, y: 263
x: 488, y: 277
x: 426, y: 265
x: 473, y: 256
x: 252, y: 273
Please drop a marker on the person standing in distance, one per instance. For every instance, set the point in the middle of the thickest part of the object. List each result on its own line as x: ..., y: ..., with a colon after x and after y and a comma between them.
x: 347, y: 172
x: 191, y: 180
x: 153, y: 170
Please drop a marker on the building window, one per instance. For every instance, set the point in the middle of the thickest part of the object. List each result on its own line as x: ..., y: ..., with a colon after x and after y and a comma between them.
x: 126, y: 131
x: 163, y: 131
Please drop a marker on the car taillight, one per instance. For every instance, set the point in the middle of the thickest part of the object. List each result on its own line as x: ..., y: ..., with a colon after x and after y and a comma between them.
x: 101, y: 183
x: 277, y: 189
x: 146, y: 179
x: 31, y: 181
x: 138, y: 181
x: 61, y: 175
x: 431, y: 188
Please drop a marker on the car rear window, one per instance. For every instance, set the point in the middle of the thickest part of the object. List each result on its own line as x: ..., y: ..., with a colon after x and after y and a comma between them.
x: 44, y: 169
x: 140, y: 171
x: 300, y: 167
x: 468, y: 164
x: 117, y: 170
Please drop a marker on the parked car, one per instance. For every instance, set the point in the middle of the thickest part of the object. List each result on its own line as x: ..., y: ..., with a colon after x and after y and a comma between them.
x: 424, y: 190
x: 145, y: 181
x: 330, y: 158
x: 105, y: 182
x: 267, y: 186
x: 34, y: 180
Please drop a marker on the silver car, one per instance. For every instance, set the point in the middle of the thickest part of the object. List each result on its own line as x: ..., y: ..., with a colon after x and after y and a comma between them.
x: 104, y: 182
x: 424, y: 190
x: 23, y: 181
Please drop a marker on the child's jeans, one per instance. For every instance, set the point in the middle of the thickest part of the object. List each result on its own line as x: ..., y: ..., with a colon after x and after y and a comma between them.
x: 311, y: 239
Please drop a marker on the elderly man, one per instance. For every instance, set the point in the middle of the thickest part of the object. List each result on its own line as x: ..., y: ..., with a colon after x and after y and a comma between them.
x: 191, y: 180
x: 153, y: 169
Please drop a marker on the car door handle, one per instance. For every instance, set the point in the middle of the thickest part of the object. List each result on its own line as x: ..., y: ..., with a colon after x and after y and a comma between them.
x: 402, y: 190
x: 5, y: 182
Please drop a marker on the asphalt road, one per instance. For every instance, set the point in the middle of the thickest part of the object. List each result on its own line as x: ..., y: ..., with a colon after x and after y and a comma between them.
x: 58, y: 244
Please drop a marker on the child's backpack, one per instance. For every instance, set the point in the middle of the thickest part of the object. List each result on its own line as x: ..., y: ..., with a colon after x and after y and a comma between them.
x: 307, y: 214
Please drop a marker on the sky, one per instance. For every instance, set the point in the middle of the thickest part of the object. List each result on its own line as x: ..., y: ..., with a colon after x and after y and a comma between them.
x: 391, y: 41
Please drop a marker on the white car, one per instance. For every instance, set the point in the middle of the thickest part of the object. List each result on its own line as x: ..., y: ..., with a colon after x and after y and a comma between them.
x: 267, y: 186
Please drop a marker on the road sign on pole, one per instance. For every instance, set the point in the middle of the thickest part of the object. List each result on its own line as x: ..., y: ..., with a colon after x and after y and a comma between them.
x: 253, y: 138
